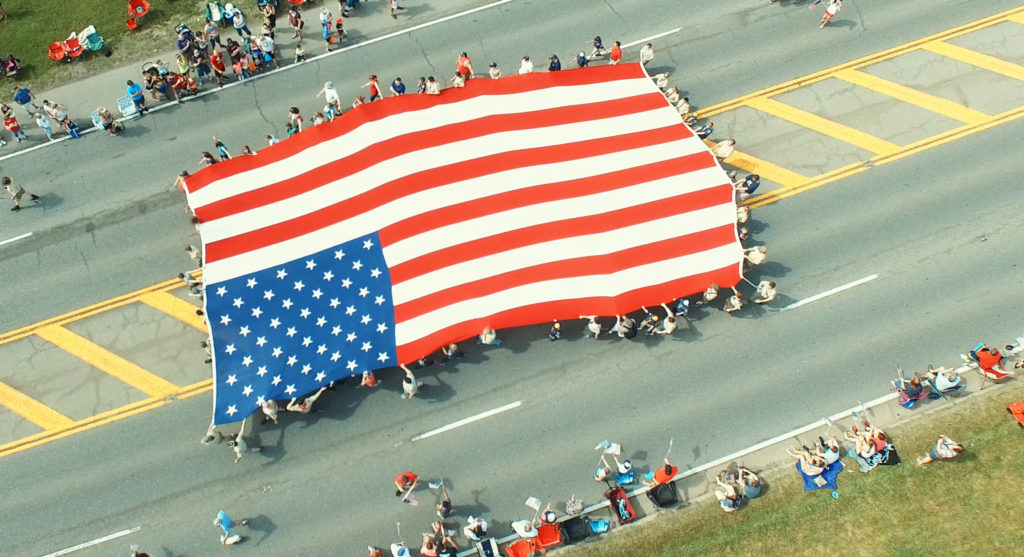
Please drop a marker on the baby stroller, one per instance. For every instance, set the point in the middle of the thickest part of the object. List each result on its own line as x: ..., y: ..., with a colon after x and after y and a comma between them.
x: 621, y: 506
x: 10, y: 65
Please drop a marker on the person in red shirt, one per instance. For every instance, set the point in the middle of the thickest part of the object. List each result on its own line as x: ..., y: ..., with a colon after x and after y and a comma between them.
x: 217, y: 63
x: 663, y: 475
x: 374, y: 88
x: 406, y: 481
x: 464, y: 66
x: 12, y: 125
x: 989, y: 359
x: 615, y: 55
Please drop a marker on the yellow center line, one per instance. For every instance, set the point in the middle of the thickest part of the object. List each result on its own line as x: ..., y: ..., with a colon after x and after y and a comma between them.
x: 1017, y: 18
x: 868, y: 60
x: 31, y: 409
x: 983, y: 61
x: 107, y: 362
x: 824, y: 126
x: 175, y: 307
x: 908, y: 95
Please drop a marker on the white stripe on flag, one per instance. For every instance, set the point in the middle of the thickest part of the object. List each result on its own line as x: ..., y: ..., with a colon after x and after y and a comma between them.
x: 403, y: 208
x: 606, y: 285
x: 405, y: 164
x: 437, y: 116
x: 564, y: 248
x: 552, y: 211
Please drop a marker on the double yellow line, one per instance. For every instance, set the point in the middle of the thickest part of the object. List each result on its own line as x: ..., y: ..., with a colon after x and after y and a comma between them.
x: 885, y: 152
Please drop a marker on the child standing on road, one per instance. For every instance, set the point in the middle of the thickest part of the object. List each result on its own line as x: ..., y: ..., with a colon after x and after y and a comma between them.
x: 44, y: 123
x: 12, y: 125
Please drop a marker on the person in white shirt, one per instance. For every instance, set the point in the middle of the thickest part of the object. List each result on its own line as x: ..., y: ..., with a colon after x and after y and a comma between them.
x: 668, y: 325
x: 646, y: 54
x: 756, y: 255
x: 433, y: 87
x: 625, y: 326
x: 765, y: 292
x: 494, y: 71
x: 331, y: 95
x: 733, y: 303
x: 526, y: 66
x: 724, y: 149
x: 593, y: 326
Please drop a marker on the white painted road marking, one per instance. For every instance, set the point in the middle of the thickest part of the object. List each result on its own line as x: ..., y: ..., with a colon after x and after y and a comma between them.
x: 97, y: 541
x: 468, y: 420
x: 16, y: 238
x: 835, y: 290
x: 652, y: 37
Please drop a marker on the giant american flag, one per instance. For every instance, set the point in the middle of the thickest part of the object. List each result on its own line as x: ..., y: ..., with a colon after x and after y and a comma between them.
x: 419, y: 220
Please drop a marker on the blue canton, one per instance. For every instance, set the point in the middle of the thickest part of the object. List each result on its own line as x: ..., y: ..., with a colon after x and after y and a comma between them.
x: 288, y: 330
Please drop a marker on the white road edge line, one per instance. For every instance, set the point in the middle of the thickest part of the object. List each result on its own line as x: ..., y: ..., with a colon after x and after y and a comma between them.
x: 468, y: 420
x: 826, y: 293
x: 97, y: 541
x: 16, y: 238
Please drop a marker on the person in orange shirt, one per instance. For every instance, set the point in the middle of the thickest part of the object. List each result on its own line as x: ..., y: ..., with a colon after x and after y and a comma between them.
x: 464, y: 66
x: 615, y: 55
x: 663, y: 475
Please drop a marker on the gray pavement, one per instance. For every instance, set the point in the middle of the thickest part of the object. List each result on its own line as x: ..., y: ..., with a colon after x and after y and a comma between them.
x: 925, y: 225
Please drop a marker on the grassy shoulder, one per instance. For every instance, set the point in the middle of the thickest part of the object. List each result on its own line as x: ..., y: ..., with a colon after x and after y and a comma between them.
x: 970, y: 505
x: 32, y: 25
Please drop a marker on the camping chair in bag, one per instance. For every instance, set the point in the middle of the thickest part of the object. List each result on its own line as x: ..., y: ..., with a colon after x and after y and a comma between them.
x: 73, y: 47
x: 57, y: 52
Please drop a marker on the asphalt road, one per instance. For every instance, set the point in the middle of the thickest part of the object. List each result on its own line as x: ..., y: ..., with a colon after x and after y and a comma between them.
x: 938, y: 228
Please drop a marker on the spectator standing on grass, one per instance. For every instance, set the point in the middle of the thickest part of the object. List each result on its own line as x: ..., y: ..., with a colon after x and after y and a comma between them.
x: 23, y: 96
x: 295, y: 22
x: 44, y: 123
x: 212, y: 33
x: 238, y: 21
x: 945, y: 449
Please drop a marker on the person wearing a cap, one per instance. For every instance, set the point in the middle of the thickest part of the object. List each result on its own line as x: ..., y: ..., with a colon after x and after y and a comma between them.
x: 330, y: 94
x: 464, y: 66
x: 581, y: 60
x: 494, y: 71
x: 555, y: 64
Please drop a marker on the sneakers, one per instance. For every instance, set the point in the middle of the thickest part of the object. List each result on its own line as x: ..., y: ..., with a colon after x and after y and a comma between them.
x: 16, y: 208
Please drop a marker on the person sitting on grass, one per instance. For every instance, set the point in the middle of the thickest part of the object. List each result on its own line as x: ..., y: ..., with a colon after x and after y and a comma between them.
x: 750, y: 482
x: 812, y: 465
x: 728, y: 498
x: 945, y: 449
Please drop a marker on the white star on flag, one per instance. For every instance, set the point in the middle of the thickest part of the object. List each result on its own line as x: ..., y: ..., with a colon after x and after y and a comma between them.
x: 336, y: 330
x: 320, y: 376
x: 262, y: 371
x: 320, y: 321
x: 257, y: 312
x: 281, y: 273
x: 366, y: 347
x: 351, y: 337
x: 350, y: 310
x: 365, y: 319
x: 260, y: 341
x: 382, y: 356
x: 317, y: 293
x: 299, y: 286
x: 310, y: 264
x: 335, y: 303
x: 306, y: 368
x: 306, y: 341
x: 224, y: 319
x: 230, y: 349
x: 275, y: 323
x: 375, y: 273
x: 357, y: 265
x: 247, y: 361
x: 287, y: 303
x: 339, y: 254
x: 363, y: 292
x: 381, y: 327
x: 321, y: 349
x: 290, y: 390
x: 304, y: 312
x: 238, y: 303
x: 335, y: 356
x: 247, y: 390
x: 277, y: 351
x: 351, y: 365
x: 379, y: 300
x: 232, y: 379
x: 291, y: 332
x: 345, y: 283
x: 268, y: 294
x: 367, y: 244
x: 244, y: 331
x: 328, y: 276
x: 231, y: 410
x: 277, y: 380
x: 251, y: 283
x: 222, y: 290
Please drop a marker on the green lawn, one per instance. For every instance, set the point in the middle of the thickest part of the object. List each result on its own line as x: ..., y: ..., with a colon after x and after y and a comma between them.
x: 968, y: 506
x: 31, y: 25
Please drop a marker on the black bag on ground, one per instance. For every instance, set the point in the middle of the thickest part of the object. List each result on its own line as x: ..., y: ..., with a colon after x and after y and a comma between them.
x: 576, y: 529
x: 664, y: 496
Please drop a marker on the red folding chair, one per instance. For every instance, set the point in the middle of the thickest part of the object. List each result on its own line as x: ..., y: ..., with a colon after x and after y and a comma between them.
x: 57, y: 52
x: 138, y: 8
x: 132, y: 24
x: 73, y: 47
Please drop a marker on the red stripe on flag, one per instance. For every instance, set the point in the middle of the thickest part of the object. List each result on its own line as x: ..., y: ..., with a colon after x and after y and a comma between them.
x: 380, y: 152
x: 592, y: 224
x: 604, y: 264
x: 533, y: 195
x: 570, y: 309
x: 371, y: 112
x: 432, y: 178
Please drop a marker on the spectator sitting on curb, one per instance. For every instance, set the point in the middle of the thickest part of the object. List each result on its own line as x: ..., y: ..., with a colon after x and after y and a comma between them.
x: 945, y: 449
x: 750, y: 482
x: 728, y: 498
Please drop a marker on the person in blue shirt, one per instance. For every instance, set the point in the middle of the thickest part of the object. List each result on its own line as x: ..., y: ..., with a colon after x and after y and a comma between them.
x: 135, y: 92
x: 705, y: 130
x: 555, y: 64
x: 581, y: 60
x: 749, y: 185
x: 23, y: 96
x: 397, y: 87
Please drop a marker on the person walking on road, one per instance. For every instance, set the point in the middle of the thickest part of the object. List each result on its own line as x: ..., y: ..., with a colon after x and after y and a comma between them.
x: 555, y: 64
x: 12, y: 125
x: 646, y: 54
x: 307, y: 404
x: 224, y: 522
x: 615, y: 54
x: 17, y: 193
x: 526, y: 66
x: 393, y: 5
x: 222, y: 150
x: 831, y: 10
x: 374, y: 87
